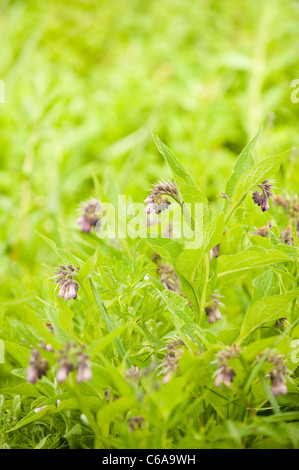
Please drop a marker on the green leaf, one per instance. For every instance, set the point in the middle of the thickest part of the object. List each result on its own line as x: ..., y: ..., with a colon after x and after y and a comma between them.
x: 167, y: 248
x: 19, y: 353
x: 185, y: 182
x: 243, y: 163
x: 265, y: 285
x: 258, y: 173
x: 189, y: 260
x: 265, y: 310
x: 249, y: 259
x: 118, y: 344
x: 88, y: 266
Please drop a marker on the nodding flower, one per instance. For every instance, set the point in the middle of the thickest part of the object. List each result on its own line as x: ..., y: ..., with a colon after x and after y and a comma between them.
x: 171, y: 360
x: 168, y: 277
x: 262, y: 198
x: 212, y: 310
x: 226, y: 374
x: 157, y: 201
x: 277, y: 375
x: 72, y: 358
x: 38, y: 367
x: 91, y: 216
x: 68, y: 287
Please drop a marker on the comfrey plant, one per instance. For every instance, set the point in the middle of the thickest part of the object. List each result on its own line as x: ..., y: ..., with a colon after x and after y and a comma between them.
x: 147, y: 355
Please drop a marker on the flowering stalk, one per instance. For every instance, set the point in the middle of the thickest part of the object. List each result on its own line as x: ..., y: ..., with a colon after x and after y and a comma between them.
x: 277, y: 374
x: 262, y: 198
x: 226, y: 374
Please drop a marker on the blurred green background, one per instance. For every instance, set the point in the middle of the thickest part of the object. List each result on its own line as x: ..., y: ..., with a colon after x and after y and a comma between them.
x: 88, y: 82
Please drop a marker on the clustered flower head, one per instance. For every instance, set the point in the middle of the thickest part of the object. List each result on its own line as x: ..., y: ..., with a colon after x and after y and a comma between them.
x: 226, y: 374
x: 168, y: 277
x: 91, y: 216
x: 277, y: 375
x: 158, y: 201
x: 68, y: 287
x: 171, y: 360
x: 212, y: 310
x: 38, y: 367
x: 262, y: 232
x: 262, y: 198
x: 73, y: 358
x: 286, y: 236
x: 133, y: 374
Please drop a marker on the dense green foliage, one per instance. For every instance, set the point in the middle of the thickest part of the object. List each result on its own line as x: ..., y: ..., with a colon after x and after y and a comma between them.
x: 86, y: 84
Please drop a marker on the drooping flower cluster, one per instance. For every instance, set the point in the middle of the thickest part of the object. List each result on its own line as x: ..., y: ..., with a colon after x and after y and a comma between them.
x: 38, y: 367
x: 286, y: 237
x: 171, y: 360
x: 91, y: 216
x: 168, y: 277
x: 226, y: 374
x: 212, y: 310
x: 277, y: 375
x: 158, y: 201
x: 72, y: 358
x: 135, y: 422
x: 68, y: 287
x: 262, y: 198
x: 133, y: 374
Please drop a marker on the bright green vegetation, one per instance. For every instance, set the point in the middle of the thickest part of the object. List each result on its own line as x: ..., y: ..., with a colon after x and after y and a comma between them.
x: 86, y: 86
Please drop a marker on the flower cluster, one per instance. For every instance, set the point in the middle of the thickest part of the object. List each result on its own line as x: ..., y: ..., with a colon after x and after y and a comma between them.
x: 262, y: 232
x: 277, y: 375
x: 286, y: 236
x: 135, y: 422
x: 38, y: 367
x: 70, y: 359
x: 214, y: 252
x: 171, y: 360
x: 68, y: 287
x: 157, y: 201
x: 212, y: 310
x: 262, y: 198
x: 168, y: 277
x: 226, y: 374
x: 91, y: 216
x: 133, y: 374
